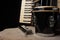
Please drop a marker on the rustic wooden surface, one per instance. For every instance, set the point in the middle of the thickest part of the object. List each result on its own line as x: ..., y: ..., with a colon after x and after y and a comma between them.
x: 17, y: 34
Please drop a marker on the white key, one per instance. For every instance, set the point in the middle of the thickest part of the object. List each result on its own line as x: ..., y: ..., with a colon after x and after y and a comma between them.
x: 26, y: 9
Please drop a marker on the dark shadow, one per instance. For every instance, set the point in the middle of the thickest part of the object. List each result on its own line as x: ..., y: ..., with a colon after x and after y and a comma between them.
x: 10, y: 15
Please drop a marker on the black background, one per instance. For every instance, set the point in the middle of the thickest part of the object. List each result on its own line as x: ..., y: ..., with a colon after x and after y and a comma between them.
x: 9, y: 15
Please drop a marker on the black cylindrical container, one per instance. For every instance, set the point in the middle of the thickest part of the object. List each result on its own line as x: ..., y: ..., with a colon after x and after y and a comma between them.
x: 45, y: 21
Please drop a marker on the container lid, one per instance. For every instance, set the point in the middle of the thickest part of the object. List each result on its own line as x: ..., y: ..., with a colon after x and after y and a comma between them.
x: 44, y: 11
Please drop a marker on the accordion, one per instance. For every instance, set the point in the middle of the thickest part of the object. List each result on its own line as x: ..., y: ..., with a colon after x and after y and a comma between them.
x: 26, y: 14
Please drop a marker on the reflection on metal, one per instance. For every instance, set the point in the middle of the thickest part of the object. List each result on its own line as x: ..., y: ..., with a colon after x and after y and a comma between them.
x: 51, y: 21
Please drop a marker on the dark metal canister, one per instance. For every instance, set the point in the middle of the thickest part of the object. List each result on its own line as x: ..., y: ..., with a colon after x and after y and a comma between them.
x: 45, y: 21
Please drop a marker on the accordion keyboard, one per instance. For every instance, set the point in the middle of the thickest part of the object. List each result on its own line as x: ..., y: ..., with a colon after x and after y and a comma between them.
x: 25, y: 13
